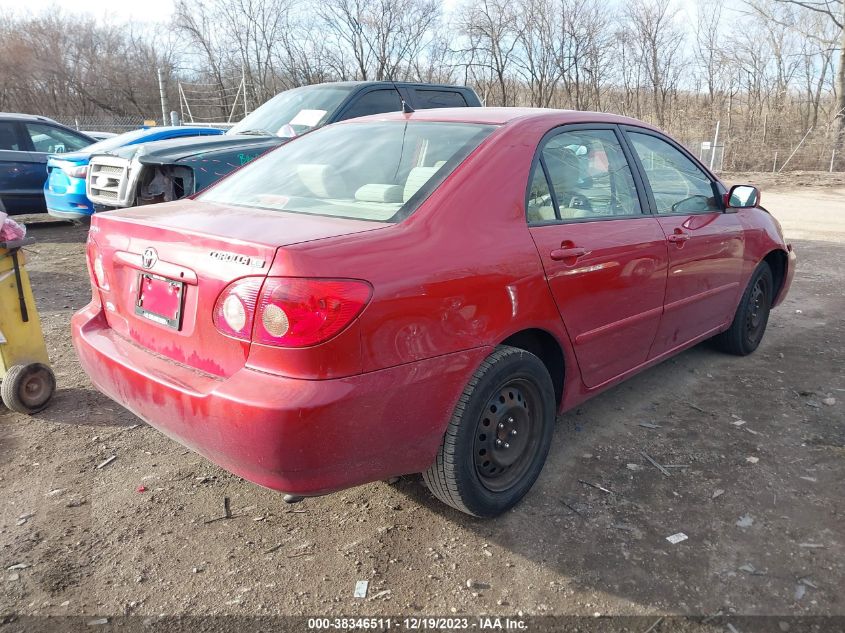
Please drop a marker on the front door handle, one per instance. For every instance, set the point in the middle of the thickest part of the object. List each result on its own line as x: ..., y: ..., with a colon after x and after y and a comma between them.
x: 567, y: 253
x: 678, y: 237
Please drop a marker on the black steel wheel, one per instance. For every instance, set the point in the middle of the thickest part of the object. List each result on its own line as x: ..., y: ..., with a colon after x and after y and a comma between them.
x: 499, y: 435
x: 28, y: 388
x: 752, y: 315
x: 506, y: 435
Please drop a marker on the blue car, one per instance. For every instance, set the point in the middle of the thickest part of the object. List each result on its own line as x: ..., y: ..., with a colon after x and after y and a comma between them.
x: 64, y: 190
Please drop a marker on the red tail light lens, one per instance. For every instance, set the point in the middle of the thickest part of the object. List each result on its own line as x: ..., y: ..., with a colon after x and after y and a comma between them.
x: 234, y: 309
x: 76, y: 171
x: 300, y: 312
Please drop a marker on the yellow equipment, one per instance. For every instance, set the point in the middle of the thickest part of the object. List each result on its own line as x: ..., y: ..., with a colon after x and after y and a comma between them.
x: 28, y: 382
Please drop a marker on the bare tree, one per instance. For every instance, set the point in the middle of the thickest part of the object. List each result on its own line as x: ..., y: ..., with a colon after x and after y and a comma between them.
x: 539, y: 49
x: 492, y: 31
x: 658, y: 41
x: 383, y: 36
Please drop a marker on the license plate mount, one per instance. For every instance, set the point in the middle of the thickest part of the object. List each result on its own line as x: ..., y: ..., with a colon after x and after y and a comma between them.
x: 160, y: 300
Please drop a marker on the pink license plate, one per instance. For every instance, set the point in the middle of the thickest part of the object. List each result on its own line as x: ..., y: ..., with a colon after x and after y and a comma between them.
x: 159, y: 299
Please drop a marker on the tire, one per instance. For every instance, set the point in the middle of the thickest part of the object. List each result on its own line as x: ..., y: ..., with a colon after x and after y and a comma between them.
x: 485, y: 465
x: 28, y: 388
x: 752, y: 315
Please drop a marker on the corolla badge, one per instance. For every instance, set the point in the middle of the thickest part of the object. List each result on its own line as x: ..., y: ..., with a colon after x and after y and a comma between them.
x: 149, y: 258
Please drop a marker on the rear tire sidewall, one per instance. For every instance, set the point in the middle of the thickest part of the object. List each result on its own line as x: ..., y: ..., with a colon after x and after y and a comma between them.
x: 478, y: 499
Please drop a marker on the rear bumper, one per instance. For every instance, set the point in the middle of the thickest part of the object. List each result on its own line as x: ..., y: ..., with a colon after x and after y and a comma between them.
x: 791, y: 259
x: 303, y: 437
x: 69, y: 215
x: 69, y: 206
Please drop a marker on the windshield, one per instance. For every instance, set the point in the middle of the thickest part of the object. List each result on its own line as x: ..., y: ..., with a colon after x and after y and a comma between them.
x: 377, y: 170
x: 293, y: 112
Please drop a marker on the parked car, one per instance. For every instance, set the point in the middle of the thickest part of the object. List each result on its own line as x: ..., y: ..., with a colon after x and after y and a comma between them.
x: 25, y: 142
x: 65, y: 190
x: 164, y: 171
x: 422, y: 293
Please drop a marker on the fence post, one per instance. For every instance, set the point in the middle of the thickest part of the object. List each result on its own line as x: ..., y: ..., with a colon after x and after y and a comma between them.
x: 713, y: 150
x: 775, y: 162
x: 832, y: 156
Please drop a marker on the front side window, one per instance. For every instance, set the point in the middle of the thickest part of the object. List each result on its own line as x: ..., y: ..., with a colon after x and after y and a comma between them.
x: 374, y: 102
x: 369, y: 171
x: 54, y: 140
x: 589, y: 175
x: 677, y: 183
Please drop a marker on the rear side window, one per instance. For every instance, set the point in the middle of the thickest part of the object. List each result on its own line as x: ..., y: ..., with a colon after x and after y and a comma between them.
x: 438, y: 99
x: 589, y: 176
x: 677, y: 183
x: 374, y: 102
x: 54, y: 140
x: 9, y: 137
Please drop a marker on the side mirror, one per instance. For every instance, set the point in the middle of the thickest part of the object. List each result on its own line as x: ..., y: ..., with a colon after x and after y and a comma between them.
x: 742, y: 197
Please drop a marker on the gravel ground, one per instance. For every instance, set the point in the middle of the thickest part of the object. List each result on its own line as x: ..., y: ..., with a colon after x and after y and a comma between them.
x: 761, y: 439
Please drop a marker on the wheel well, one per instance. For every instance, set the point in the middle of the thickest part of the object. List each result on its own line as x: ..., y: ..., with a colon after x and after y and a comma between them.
x: 547, y: 349
x: 777, y: 262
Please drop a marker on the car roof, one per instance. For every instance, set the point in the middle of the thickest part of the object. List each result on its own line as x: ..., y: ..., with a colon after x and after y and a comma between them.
x: 505, y: 116
x: 17, y: 116
x: 411, y: 84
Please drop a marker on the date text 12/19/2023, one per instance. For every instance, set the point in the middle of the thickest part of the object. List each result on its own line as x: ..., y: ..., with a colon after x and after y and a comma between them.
x: 486, y: 623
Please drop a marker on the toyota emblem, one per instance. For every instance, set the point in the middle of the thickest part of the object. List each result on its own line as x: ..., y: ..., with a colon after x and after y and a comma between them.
x: 149, y: 258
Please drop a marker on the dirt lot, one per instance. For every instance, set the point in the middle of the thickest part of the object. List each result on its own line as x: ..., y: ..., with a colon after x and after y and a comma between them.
x: 761, y: 502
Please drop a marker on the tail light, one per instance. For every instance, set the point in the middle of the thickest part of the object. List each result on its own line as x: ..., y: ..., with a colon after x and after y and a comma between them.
x: 76, y: 171
x: 290, y: 312
x: 235, y: 307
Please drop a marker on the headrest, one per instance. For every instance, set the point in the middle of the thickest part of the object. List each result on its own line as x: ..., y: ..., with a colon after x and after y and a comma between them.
x: 376, y: 192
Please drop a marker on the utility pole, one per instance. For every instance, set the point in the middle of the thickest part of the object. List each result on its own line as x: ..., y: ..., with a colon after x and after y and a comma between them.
x: 163, y: 98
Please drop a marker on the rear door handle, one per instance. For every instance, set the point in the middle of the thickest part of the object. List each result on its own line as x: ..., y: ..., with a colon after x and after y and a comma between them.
x: 567, y: 253
x: 678, y: 237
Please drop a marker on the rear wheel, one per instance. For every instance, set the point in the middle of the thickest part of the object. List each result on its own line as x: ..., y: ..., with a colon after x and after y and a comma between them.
x: 498, y: 437
x: 28, y: 388
x: 752, y: 314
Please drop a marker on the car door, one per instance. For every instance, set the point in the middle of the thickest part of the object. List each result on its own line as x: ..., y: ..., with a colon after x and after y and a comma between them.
x: 604, y: 254
x: 705, y: 243
x: 45, y: 139
x: 19, y: 168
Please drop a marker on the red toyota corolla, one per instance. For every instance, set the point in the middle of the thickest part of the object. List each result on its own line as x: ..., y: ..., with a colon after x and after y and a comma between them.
x: 421, y: 293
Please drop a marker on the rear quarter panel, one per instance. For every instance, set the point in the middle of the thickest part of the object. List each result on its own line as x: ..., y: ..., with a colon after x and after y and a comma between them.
x: 462, y: 272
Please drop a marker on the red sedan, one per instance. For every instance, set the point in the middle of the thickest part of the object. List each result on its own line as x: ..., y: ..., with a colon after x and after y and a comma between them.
x: 422, y: 293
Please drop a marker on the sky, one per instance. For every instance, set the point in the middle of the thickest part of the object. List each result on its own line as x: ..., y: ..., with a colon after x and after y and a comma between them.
x: 107, y: 10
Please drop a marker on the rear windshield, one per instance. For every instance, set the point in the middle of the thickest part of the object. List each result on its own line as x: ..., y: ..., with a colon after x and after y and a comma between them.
x: 377, y: 170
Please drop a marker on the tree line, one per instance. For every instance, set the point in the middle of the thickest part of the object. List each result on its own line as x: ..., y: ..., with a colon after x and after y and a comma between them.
x: 770, y: 72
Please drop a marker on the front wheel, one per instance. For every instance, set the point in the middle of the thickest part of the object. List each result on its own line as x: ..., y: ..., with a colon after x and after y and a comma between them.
x: 752, y: 314
x: 499, y: 435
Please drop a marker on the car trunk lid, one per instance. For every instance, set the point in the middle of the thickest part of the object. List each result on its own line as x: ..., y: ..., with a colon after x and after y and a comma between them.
x: 164, y: 267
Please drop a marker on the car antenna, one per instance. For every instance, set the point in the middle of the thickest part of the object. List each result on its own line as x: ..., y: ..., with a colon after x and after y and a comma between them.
x: 406, y: 109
